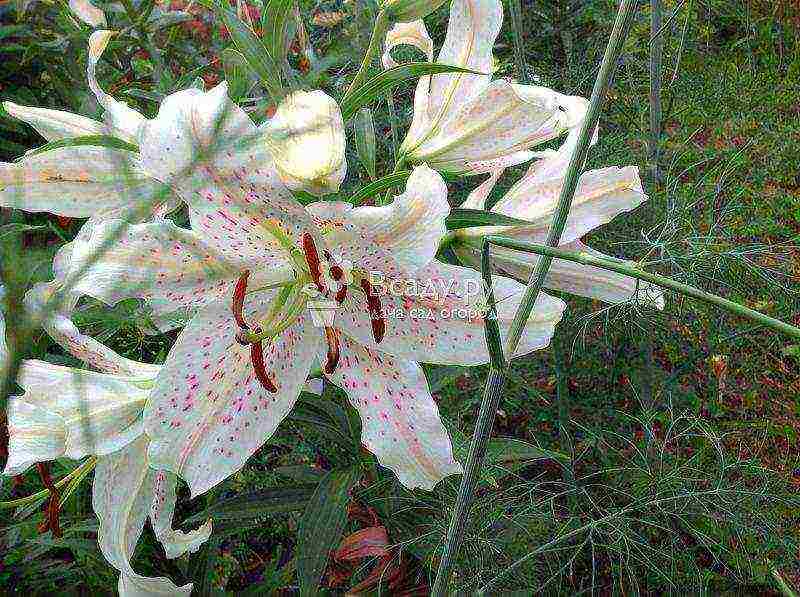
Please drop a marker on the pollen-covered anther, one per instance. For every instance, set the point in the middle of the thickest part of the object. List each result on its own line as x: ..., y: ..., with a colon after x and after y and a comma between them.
x: 257, y: 358
x: 312, y: 260
x: 52, y: 511
x: 375, y: 311
x: 332, y: 338
x: 237, y: 304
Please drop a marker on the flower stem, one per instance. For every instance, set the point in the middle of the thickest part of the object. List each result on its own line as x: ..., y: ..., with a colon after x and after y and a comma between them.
x: 382, y: 22
x: 519, y: 44
x: 628, y: 269
x: 656, y: 53
x: 78, y: 473
x: 497, y: 376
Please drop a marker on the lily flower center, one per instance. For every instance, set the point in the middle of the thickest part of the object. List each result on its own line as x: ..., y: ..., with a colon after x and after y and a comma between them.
x: 318, y: 278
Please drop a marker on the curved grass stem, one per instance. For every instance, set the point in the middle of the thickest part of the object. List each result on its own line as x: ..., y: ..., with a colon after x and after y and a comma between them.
x: 382, y: 22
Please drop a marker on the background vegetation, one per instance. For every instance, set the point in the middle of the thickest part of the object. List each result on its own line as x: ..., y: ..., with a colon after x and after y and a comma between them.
x: 679, y: 430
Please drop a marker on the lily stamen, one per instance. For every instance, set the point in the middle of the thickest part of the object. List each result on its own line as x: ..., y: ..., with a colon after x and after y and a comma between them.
x: 257, y: 359
x: 312, y: 260
x: 332, y: 338
x: 237, y: 304
x: 375, y: 310
x: 52, y: 510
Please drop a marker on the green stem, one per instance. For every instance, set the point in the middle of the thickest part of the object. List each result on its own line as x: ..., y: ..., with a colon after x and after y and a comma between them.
x: 627, y: 269
x: 519, y: 44
x: 601, y: 85
x: 382, y: 22
x: 499, y: 370
x: 656, y: 54
x: 782, y: 584
x: 77, y: 474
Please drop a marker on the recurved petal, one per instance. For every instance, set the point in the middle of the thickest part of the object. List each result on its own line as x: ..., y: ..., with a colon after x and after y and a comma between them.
x: 471, y: 32
x: 162, y: 511
x: 124, y: 120
x: 100, y: 413
x: 158, y: 260
x: 405, y: 232
x: 121, y: 497
x: 56, y: 124
x: 209, y: 151
x: 412, y: 33
x: 567, y: 276
x: 503, y: 119
x: 208, y: 412
x: 601, y: 196
x: 88, y: 13
x: 34, y: 435
x: 438, y: 317
x: 79, y: 182
x: 400, y: 420
x: 63, y: 331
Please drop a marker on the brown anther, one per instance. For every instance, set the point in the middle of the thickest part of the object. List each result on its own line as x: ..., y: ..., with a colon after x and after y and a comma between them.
x: 312, y: 259
x: 51, y: 514
x: 341, y: 294
x: 375, y: 311
x: 337, y: 273
x: 257, y: 358
x: 332, y: 338
x: 237, y: 304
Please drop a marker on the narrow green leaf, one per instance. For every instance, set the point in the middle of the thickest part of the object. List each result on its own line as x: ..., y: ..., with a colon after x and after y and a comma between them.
x: 96, y: 140
x: 376, y: 87
x: 274, y: 24
x: 237, y: 72
x: 257, y: 504
x: 377, y: 187
x: 468, y: 218
x: 364, y: 129
x: 322, y: 525
x: 253, y: 51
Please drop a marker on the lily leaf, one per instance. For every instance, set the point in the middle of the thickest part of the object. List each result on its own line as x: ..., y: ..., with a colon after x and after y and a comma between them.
x: 365, y: 140
x: 253, y: 50
x: 273, y: 500
x: 94, y: 140
x: 376, y: 87
x: 377, y: 187
x: 322, y: 526
x: 275, y: 24
x: 468, y: 218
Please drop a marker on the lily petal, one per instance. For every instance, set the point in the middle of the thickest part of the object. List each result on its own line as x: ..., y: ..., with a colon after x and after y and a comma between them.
x: 477, y: 198
x: 567, y: 276
x: 406, y: 232
x: 34, y: 435
x: 601, y: 196
x: 124, y: 120
x: 208, y: 413
x: 162, y: 510
x: 400, y: 420
x: 78, y: 182
x: 54, y: 125
x: 121, y: 497
x: 158, y: 260
x: 88, y: 13
x: 412, y: 33
x: 63, y: 331
x: 100, y: 413
x: 210, y: 152
x: 307, y: 142
x: 439, y: 316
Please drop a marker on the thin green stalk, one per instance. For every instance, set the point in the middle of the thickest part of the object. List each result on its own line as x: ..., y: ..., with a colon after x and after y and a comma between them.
x: 382, y: 23
x: 782, y: 584
x: 519, y: 44
x: 497, y: 375
x: 656, y: 55
x: 627, y: 269
x: 601, y: 85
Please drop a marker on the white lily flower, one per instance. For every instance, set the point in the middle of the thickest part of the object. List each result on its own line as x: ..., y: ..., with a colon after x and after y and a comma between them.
x: 239, y: 365
x: 88, y: 13
x: 307, y: 143
x: 467, y: 123
x: 73, y: 413
x: 601, y: 195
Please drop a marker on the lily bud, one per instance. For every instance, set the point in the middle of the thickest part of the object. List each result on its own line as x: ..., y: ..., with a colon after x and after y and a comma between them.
x: 404, y: 11
x: 306, y: 140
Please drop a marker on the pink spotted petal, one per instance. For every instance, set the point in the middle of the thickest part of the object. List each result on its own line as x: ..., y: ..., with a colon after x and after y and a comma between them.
x: 208, y: 412
x: 400, y: 420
